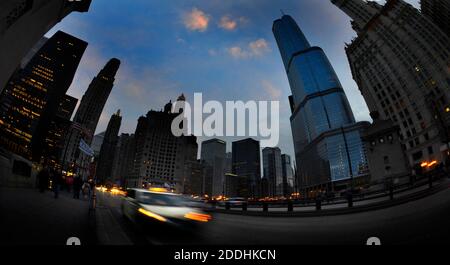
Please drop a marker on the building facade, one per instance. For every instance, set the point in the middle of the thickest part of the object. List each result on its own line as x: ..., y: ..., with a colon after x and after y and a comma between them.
x: 33, y: 95
x: 86, y: 119
x: 387, y: 160
x: 439, y: 12
x: 24, y: 23
x: 57, y: 131
x: 273, y: 171
x: 246, y: 165
x: 161, y: 158
x: 124, y: 159
x: 321, y: 118
x: 213, y: 155
x: 400, y: 60
x: 105, y: 165
x: 288, y: 175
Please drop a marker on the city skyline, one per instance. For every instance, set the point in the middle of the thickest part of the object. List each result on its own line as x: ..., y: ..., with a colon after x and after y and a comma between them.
x: 230, y: 46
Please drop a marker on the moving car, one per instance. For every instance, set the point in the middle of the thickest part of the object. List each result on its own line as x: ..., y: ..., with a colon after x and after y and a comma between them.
x: 161, y: 208
x: 234, y: 202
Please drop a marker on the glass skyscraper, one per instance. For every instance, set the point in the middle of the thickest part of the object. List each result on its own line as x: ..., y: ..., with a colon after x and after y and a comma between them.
x: 327, y: 139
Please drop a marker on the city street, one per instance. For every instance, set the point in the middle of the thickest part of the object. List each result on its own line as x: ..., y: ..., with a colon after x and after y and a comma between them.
x: 32, y: 218
x: 421, y: 221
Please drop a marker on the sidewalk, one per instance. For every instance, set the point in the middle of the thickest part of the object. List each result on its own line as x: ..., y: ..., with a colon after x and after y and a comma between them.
x: 32, y: 218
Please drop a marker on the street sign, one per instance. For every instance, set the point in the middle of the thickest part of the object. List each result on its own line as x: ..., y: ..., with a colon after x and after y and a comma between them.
x: 85, y: 148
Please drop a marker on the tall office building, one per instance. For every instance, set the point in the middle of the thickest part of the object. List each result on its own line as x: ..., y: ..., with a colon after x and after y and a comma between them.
x: 400, y: 61
x: 57, y: 131
x: 327, y: 141
x: 439, y: 12
x: 123, y: 159
x: 24, y: 23
x: 246, y: 164
x: 214, y: 157
x: 87, y: 117
x: 104, y: 172
x: 288, y: 175
x: 97, y: 142
x: 161, y: 158
x: 272, y: 171
x: 31, y: 99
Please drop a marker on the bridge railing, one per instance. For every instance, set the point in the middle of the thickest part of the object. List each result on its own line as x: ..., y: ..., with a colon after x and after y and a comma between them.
x: 387, y: 190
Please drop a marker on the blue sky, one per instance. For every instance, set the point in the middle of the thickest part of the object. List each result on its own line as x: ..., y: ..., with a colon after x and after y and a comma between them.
x: 222, y: 48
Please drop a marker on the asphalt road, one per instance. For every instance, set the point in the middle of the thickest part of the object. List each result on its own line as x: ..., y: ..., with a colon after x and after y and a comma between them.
x: 425, y: 221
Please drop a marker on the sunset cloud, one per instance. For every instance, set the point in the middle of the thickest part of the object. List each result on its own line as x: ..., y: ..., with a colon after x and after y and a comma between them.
x: 196, y: 20
x: 254, y: 49
x: 231, y: 24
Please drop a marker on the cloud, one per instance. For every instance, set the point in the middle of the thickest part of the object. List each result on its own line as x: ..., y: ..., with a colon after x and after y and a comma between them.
x: 196, y: 20
x: 255, y: 49
x: 273, y: 92
x: 259, y: 47
x: 230, y: 24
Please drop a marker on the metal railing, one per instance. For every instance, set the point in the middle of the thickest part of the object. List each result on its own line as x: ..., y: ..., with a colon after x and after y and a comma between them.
x: 406, y: 186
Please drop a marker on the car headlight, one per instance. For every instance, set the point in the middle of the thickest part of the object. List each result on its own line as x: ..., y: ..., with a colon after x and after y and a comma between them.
x: 152, y: 215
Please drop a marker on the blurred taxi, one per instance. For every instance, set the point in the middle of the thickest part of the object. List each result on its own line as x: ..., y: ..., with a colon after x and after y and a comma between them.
x: 157, y: 206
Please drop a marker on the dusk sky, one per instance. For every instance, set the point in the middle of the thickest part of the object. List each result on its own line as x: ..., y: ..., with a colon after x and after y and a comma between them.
x: 222, y: 48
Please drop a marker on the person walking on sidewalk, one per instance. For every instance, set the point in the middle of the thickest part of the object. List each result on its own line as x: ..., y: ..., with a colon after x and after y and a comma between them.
x: 56, y: 182
x: 43, y: 177
x: 86, y: 190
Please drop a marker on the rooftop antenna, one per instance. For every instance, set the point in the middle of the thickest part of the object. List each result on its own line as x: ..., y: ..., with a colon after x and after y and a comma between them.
x: 282, y: 12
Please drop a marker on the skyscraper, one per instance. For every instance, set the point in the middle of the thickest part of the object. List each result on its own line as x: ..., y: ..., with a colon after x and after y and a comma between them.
x: 31, y: 99
x: 57, y: 131
x: 439, y: 12
x: 124, y: 158
x: 214, y: 154
x: 246, y: 164
x: 400, y: 61
x: 104, y: 172
x: 327, y: 140
x: 272, y: 171
x: 88, y: 116
x: 162, y: 159
x: 24, y: 22
x: 288, y: 175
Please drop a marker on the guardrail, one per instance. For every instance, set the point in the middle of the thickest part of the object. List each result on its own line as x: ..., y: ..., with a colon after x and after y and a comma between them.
x: 390, y: 192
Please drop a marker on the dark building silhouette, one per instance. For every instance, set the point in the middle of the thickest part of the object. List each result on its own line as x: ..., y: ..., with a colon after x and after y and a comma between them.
x: 246, y: 164
x: 162, y: 159
x: 272, y: 171
x: 124, y: 158
x: 104, y: 172
x: 57, y: 131
x: 23, y: 23
x: 288, y: 175
x: 87, y: 117
x: 213, y: 155
x: 439, y: 12
x: 33, y: 95
x: 327, y: 141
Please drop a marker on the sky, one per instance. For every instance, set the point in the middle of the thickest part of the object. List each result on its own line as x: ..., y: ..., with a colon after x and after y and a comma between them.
x: 224, y: 49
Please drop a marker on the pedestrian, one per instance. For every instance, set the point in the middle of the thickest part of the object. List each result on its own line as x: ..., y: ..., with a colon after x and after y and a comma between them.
x: 43, y: 177
x: 86, y: 190
x: 56, y: 182
x: 69, y: 183
x: 77, y: 182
